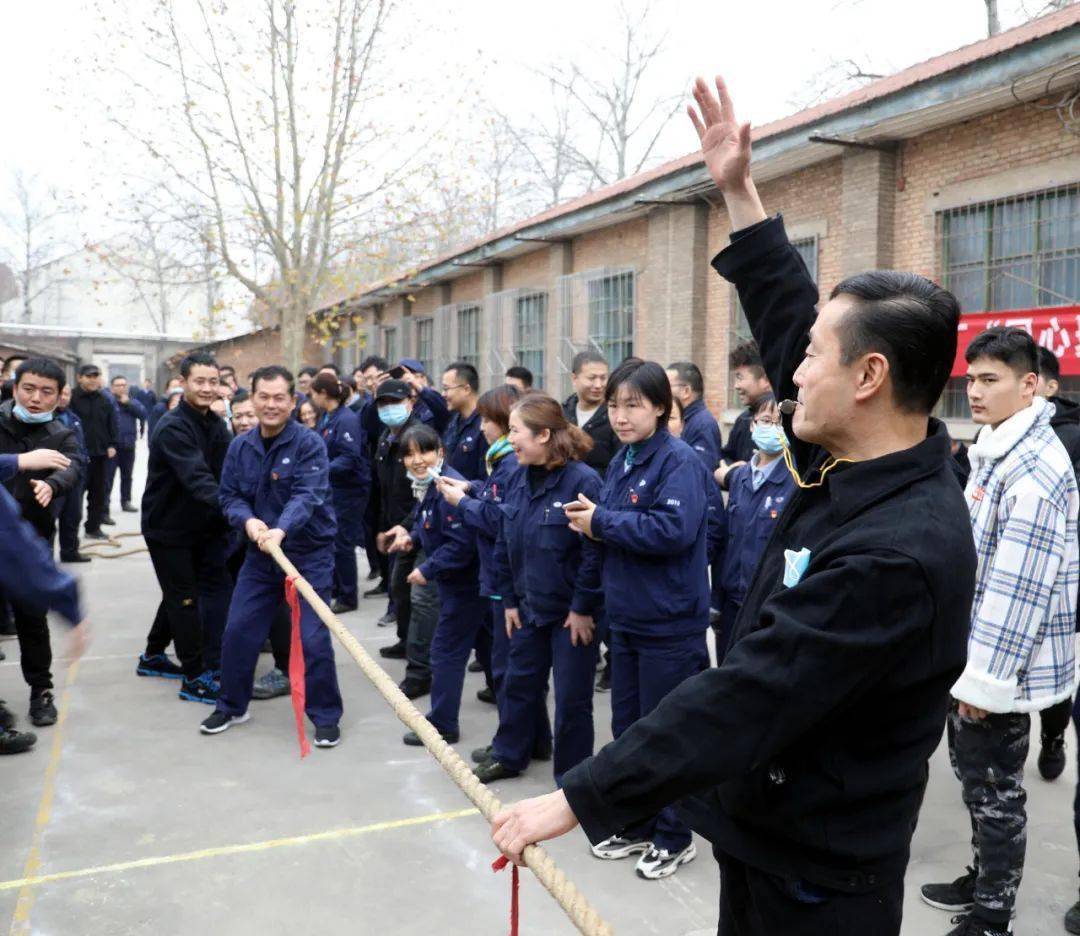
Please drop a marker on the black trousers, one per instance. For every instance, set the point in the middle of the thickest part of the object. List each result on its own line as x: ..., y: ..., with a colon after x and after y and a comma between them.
x: 1055, y: 720
x: 35, y: 650
x: 125, y: 463
x: 96, y: 508
x: 71, y: 511
x: 401, y: 564
x: 753, y: 903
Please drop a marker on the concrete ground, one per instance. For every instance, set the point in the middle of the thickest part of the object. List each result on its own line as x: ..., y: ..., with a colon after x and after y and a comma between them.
x: 125, y: 820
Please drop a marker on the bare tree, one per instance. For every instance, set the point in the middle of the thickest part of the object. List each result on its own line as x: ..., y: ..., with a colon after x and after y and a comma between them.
x: 547, y: 142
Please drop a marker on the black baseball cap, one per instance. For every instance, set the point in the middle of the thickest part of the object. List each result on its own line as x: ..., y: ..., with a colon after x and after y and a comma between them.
x: 392, y: 390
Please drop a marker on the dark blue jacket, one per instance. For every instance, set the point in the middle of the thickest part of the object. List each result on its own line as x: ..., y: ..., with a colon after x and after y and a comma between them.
x: 752, y: 516
x: 287, y: 487
x: 702, y: 433
x: 449, y: 545
x: 543, y: 567
x: 69, y: 419
x: 653, y: 521
x: 739, y: 446
x: 128, y: 417
x: 465, y: 446
x: 431, y: 409
x: 148, y: 398
x: 27, y: 572
x: 158, y: 410
x: 350, y: 469
x: 482, y: 513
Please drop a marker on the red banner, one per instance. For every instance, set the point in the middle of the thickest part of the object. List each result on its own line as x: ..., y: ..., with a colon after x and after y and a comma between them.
x: 1056, y: 328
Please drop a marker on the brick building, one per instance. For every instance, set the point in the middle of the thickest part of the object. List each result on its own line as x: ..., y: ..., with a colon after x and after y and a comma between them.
x: 957, y: 168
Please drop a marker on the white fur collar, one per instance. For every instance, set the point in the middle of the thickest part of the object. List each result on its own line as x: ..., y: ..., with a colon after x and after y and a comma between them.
x: 991, y: 444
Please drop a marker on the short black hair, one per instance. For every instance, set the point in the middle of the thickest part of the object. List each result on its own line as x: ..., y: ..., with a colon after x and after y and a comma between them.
x: 240, y: 396
x: 520, y: 373
x: 912, y: 322
x: 306, y: 372
x: 330, y: 365
x: 374, y: 360
x: 1049, y: 365
x: 466, y: 372
x: 86, y: 370
x: 1012, y: 346
x: 272, y: 372
x: 421, y: 437
x: 746, y: 354
x: 690, y: 374
x: 197, y: 359
x: 761, y: 403
x: 227, y: 369
x: 113, y: 380
x: 41, y: 367
x: 588, y: 356
x: 646, y: 378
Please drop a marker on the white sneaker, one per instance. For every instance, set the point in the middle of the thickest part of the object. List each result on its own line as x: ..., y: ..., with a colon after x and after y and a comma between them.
x: 659, y: 863
x: 619, y: 846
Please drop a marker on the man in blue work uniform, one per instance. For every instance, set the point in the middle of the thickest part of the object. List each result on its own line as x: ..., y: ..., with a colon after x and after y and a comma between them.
x: 464, y: 443
x: 275, y: 486
x: 131, y: 419
x: 429, y: 404
x: 71, y: 508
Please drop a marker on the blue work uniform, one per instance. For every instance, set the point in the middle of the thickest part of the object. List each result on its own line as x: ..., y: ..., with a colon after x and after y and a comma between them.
x: 653, y: 520
x: 350, y: 487
x: 452, y: 563
x: 131, y: 418
x: 285, y: 482
x: 702, y: 433
x: 545, y: 570
x: 431, y: 409
x: 465, y: 446
x: 753, y: 513
x: 71, y: 510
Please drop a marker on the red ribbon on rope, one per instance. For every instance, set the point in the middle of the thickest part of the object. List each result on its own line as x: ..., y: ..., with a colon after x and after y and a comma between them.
x: 296, y: 666
x: 497, y: 865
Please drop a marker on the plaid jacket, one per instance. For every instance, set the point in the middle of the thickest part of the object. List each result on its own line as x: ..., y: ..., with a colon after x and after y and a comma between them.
x: 1022, y: 496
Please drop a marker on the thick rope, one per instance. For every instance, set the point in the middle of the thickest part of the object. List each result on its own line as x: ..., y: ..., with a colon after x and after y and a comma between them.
x: 573, y: 902
x: 113, y: 542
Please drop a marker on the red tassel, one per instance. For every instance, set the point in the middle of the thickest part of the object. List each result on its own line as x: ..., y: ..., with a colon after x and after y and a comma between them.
x: 497, y: 865
x: 296, y: 666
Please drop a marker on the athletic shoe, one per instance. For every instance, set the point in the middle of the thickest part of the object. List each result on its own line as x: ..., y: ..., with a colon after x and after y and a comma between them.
x: 621, y: 846
x: 372, y: 575
x: 129, y: 508
x: 1052, y: 757
x: 108, y: 521
x: 1072, y: 918
x: 482, y: 754
x: 273, y: 684
x: 970, y: 925
x: 959, y: 896
x: 394, y: 651
x: 340, y: 607
x: 42, y: 709
x: 387, y: 620
x: 327, y: 736
x: 15, y: 742
x: 414, y: 688
x: 412, y: 739
x: 603, y: 679
x: 377, y: 592
x: 7, y: 717
x: 659, y: 863
x: 218, y: 722
x: 199, y: 689
x: 487, y: 694
x: 491, y: 771
x: 73, y: 557
x: 475, y: 666
x: 95, y: 535
x: 158, y: 665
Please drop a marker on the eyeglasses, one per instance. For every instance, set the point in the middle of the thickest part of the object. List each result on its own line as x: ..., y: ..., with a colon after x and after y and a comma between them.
x: 765, y: 421
x: 447, y: 389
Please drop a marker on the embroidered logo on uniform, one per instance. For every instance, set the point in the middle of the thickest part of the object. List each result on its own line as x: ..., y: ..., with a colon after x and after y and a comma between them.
x: 633, y: 498
x: 284, y: 461
x: 348, y: 438
x: 557, y: 504
x: 673, y: 502
x: 774, y: 514
x: 642, y: 483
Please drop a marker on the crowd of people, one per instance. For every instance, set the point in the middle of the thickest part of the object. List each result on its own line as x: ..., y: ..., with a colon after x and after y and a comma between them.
x: 868, y: 581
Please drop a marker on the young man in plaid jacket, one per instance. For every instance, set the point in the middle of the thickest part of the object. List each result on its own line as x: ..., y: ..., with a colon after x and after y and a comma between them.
x: 1022, y: 496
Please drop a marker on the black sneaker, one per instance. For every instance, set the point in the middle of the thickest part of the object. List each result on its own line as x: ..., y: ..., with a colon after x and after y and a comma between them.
x: 158, y: 665
x: 7, y: 717
x: 218, y: 722
x: 603, y: 679
x: 968, y: 924
x: 412, y: 739
x: 200, y: 689
x: 491, y: 771
x: 482, y: 754
x: 327, y: 736
x: 43, y: 709
x: 341, y: 607
x: 387, y: 620
x: 958, y: 896
x: 377, y: 592
x: 73, y: 557
x: 394, y: 651
x: 487, y: 694
x: 1052, y: 757
x: 475, y: 666
x: 129, y: 508
x: 1072, y: 918
x: 95, y: 535
x: 15, y: 742
x: 108, y: 521
x: 414, y: 688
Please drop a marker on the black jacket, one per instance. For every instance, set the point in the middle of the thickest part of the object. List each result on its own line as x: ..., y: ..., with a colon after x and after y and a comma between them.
x: 180, y: 503
x: 98, y: 417
x: 598, y: 428
x: 1066, y: 423
x: 961, y: 465
x: 805, y: 753
x: 16, y: 438
x: 396, y: 501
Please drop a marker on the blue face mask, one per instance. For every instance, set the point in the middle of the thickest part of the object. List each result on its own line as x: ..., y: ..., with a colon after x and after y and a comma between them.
x: 25, y: 416
x: 769, y: 439
x: 393, y: 414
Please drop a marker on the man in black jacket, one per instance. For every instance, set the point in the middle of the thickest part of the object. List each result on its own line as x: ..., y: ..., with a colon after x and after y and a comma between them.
x: 187, y: 535
x: 586, y: 409
x: 805, y: 753
x: 98, y: 417
x: 27, y: 424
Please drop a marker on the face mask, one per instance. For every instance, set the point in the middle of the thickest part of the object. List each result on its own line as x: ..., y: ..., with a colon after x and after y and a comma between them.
x: 25, y: 416
x: 769, y: 439
x: 394, y: 414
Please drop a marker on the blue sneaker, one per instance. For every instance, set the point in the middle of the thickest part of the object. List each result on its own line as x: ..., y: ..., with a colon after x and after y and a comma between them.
x: 200, y: 689
x: 158, y: 665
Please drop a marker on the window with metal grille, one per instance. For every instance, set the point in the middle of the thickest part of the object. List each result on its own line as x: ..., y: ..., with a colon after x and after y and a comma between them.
x: 468, y: 324
x: 530, y: 332
x: 425, y: 342
x: 1013, y: 253
x: 390, y: 345
x: 611, y: 316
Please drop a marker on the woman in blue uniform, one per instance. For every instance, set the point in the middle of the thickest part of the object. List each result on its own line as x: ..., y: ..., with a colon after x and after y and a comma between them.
x: 548, y: 578
x: 653, y: 521
x: 350, y: 481
x: 451, y: 562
